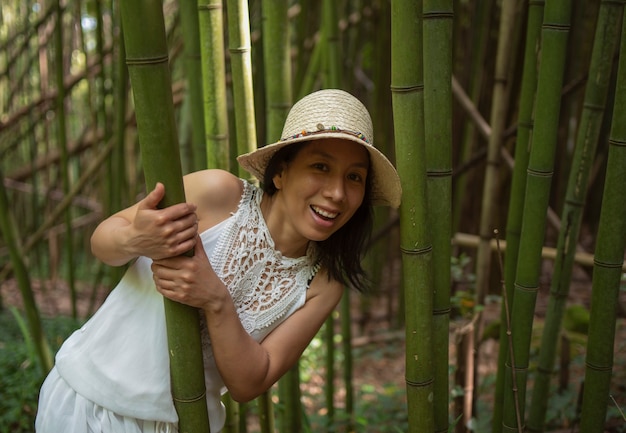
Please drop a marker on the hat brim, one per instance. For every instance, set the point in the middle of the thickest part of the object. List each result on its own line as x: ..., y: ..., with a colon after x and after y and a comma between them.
x: 386, y: 187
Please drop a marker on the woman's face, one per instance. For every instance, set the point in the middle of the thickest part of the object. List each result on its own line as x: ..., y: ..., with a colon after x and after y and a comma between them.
x: 322, y: 187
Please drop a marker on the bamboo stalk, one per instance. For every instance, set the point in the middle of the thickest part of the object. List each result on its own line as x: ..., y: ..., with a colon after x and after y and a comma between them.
x: 332, y: 79
x: 481, y: 29
x: 554, y: 35
x: 147, y: 60
x: 497, y: 121
x: 62, y: 143
x: 492, y: 184
x: 278, y: 100
x: 241, y: 68
x: 415, y: 243
x: 210, y: 16
x: 437, y: 50
x: 10, y: 237
x: 607, y: 273
x: 605, y: 41
x: 518, y: 186
x: 193, y: 73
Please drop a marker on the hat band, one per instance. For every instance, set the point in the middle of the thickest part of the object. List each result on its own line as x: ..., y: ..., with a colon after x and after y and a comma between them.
x: 321, y: 129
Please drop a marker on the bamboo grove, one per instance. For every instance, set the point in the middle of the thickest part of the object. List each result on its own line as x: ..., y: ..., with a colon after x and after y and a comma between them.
x: 506, y: 122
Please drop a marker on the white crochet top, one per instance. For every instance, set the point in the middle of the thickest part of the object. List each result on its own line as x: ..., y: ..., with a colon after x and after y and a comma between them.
x: 119, y: 359
x: 263, y: 283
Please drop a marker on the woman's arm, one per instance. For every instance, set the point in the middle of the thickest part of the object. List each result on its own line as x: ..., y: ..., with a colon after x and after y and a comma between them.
x: 247, y: 367
x: 144, y: 230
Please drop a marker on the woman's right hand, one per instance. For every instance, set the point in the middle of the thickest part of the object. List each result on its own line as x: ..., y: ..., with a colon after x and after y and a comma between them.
x: 160, y: 233
x: 145, y: 230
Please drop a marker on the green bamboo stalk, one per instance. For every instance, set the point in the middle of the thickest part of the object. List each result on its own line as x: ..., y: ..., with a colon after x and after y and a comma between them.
x: 605, y: 41
x: 10, y: 237
x: 117, y: 161
x: 492, y: 185
x: 305, y: 26
x: 609, y: 256
x: 332, y: 79
x: 346, y: 344
x: 190, y: 26
x: 147, y: 60
x: 415, y: 244
x: 62, y: 144
x: 276, y: 53
x: 101, y: 77
x: 437, y: 50
x: 497, y: 122
x: 554, y: 35
x: 330, y: 31
x: 518, y: 188
x: 480, y: 41
x: 313, y: 69
x: 116, y: 173
x: 329, y: 368
x: 240, y: 65
x: 379, y: 252
x: 210, y: 17
x: 278, y: 100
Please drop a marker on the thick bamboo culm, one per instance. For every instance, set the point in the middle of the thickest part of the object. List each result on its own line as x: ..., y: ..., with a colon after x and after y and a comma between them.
x: 437, y: 51
x: 415, y: 244
x: 148, y: 67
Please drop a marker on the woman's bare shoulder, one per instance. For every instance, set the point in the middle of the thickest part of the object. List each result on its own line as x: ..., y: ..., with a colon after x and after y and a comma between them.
x: 217, y: 193
x: 330, y: 289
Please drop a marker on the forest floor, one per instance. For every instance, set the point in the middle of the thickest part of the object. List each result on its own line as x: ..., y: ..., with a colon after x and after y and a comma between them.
x: 378, y: 348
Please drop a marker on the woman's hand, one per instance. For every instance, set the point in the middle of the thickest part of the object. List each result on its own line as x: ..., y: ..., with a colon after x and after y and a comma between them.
x: 159, y: 233
x: 145, y: 230
x: 190, y: 280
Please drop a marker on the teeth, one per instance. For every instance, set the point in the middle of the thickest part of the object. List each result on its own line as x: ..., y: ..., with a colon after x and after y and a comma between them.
x: 323, y: 213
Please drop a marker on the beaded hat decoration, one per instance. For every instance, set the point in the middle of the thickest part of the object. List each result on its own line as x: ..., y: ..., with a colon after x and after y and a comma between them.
x: 332, y: 113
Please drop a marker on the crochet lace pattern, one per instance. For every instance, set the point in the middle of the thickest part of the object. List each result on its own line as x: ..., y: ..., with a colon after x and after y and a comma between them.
x: 263, y: 284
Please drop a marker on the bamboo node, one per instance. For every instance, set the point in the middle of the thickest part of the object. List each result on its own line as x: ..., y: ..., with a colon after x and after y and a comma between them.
x: 407, y: 89
x: 419, y: 384
x: 616, y: 142
x: 600, y: 368
x: 190, y: 400
x: 417, y: 251
x: 608, y: 265
x: 141, y: 61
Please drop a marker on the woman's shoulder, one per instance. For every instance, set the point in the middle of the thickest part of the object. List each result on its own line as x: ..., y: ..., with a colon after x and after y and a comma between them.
x: 216, y: 193
x: 323, y: 284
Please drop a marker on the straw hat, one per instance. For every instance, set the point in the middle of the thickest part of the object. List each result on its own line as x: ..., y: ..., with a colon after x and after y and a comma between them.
x: 325, y: 114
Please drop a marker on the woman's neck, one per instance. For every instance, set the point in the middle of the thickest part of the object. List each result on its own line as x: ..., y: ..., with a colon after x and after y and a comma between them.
x: 286, y: 240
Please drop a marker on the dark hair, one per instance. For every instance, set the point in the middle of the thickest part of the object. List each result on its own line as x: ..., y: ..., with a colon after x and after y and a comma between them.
x: 342, y: 252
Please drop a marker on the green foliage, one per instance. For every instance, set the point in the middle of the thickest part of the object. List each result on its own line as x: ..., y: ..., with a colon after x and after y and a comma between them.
x: 378, y: 407
x: 20, y: 375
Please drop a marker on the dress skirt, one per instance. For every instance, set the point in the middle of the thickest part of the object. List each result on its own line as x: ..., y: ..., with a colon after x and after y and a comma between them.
x: 65, y: 411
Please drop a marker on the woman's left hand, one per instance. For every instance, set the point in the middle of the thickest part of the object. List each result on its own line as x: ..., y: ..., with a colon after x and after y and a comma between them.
x: 189, y: 280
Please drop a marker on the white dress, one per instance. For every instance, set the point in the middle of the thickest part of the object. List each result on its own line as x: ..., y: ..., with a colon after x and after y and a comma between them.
x: 112, y: 375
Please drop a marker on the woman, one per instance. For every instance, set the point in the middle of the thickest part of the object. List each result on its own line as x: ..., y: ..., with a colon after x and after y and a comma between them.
x: 269, y: 267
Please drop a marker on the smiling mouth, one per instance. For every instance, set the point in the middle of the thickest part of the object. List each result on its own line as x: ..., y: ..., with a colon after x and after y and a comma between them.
x: 324, y: 214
